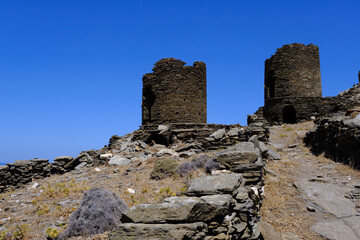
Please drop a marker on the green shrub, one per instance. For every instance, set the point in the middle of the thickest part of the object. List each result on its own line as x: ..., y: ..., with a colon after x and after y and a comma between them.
x: 164, y: 168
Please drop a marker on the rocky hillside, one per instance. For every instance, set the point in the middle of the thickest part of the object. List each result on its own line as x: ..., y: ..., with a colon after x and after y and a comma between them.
x: 305, y: 196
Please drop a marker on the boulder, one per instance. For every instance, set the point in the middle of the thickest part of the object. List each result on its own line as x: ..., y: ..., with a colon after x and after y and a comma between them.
x: 268, y: 232
x: 180, y: 209
x: 334, y: 230
x: 233, y: 132
x: 209, y: 185
x: 218, y: 134
x: 272, y: 155
x: 119, y: 161
x: 240, y: 156
x: 131, y: 231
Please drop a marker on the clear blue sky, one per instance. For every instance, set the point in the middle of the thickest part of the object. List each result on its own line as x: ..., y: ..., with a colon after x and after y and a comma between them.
x: 70, y: 71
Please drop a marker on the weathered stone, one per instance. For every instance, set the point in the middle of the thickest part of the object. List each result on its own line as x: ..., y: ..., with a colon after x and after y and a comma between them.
x: 233, y: 132
x: 268, y: 232
x: 223, y: 200
x: 210, y: 185
x: 218, y: 134
x: 180, y: 209
x: 272, y: 155
x: 80, y: 166
x: 245, y: 168
x: 289, y: 236
x: 334, y: 230
x: 230, y: 158
x: 334, y: 203
x: 119, y: 161
x: 243, y: 146
x: 354, y: 223
x: 242, y: 194
x: 63, y: 158
x: 131, y: 231
x: 352, y: 123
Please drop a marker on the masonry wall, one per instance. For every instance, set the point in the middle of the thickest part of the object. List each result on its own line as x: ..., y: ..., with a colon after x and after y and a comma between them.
x: 293, y: 71
x: 338, y: 138
x: 174, y: 93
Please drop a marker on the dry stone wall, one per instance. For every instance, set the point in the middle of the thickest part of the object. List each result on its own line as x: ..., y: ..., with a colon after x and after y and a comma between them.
x: 210, y: 136
x: 337, y: 137
x: 174, y: 93
x: 21, y: 172
x: 224, y: 206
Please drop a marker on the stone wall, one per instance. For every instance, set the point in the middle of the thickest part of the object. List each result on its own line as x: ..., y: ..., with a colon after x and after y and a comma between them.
x: 174, y: 93
x: 210, y: 136
x: 21, y: 172
x: 224, y: 206
x: 337, y: 137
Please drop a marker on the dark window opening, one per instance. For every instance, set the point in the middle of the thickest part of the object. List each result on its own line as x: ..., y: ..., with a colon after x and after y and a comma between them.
x: 148, y: 100
x: 177, y: 113
x: 269, y: 84
x: 289, y: 114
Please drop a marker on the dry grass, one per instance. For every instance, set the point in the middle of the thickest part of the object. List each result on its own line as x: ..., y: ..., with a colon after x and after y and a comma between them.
x: 36, y: 214
x: 282, y: 206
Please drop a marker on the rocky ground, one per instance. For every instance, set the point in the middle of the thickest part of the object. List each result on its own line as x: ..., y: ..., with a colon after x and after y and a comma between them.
x: 27, y: 213
x: 307, y: 196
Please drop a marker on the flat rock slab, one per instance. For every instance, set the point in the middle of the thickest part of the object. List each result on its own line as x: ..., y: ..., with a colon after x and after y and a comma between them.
x: 329, y: 198
x: 268, y: 232
x: 334, y: 230
x: 230, y: 158
x: 211, y: 185
x: 180, y: 209
x: 354, y: 223
x: 218, y: 134
x: 119, y: 161
x: 133, y: 231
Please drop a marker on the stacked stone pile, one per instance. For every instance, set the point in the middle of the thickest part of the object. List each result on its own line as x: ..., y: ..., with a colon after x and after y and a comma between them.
x: 337, y: 137
x: 14, y: 175
x: 243, y: 158
x: 211, y: 136
x: 215, y: 207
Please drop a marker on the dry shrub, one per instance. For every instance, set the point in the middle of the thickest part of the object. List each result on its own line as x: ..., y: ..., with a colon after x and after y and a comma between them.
x: 164, y: 168
x: 188, y: 167
x: 99, y: 211
x: 211, y: 165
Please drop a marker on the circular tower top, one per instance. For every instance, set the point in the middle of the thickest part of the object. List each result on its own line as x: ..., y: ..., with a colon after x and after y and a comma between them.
x: 293, y: 71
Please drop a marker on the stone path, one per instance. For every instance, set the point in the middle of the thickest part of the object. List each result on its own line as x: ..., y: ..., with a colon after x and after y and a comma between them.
x: 328, y: 192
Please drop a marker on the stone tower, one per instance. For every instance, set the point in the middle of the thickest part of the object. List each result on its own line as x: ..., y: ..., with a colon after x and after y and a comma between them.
x: 292, y: 83
x: 174, y: 93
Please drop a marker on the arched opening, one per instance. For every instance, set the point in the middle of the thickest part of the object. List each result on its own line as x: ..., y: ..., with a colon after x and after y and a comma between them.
x: 289, y: 114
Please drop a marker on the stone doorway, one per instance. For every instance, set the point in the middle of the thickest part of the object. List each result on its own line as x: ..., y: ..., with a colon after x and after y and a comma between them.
x: 289, y: 114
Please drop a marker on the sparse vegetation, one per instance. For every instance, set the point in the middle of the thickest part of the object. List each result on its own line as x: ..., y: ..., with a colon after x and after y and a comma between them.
x: 99, y: 211
x: 51, y: 233
x: 20, y: 232
x: 164, y: 168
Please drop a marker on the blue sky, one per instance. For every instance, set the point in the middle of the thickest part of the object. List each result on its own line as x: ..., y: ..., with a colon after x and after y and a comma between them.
x: 70, y: 71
